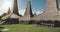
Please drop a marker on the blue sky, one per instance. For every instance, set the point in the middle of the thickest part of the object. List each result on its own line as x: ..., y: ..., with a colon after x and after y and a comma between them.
x: 37, y: 5
x: 59, y: 1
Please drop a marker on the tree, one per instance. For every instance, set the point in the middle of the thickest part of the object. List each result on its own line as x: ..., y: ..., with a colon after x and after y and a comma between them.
x: 3, y: 14
x: 1, y: 20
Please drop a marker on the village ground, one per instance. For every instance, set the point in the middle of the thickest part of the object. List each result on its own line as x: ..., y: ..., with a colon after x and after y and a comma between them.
x: 30, y: 28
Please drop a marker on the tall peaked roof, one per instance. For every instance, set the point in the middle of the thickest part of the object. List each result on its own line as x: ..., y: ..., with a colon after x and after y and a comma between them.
x: 34, y: 13
x: 7, y: 15
x: 9, y: 11
x: 50, y: 12
x: 28, y: 13
x: 28, y: 9
x: 12, y: 13
x: 15, y: 7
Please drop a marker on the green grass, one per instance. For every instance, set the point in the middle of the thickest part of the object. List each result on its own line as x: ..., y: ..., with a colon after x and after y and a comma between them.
x: 29, y: 28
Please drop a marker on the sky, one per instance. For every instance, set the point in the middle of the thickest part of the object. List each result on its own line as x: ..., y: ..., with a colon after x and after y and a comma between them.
x: 59, y: 3
x: 37, y: 6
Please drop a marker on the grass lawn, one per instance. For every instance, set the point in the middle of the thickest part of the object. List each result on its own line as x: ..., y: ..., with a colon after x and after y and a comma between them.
x: 29, y: 28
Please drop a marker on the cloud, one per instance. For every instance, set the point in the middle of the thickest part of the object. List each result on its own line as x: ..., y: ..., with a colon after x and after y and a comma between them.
x: 22, y: 11
x: 38, y: 12
x: 4, y: 8
x: 4, y: 5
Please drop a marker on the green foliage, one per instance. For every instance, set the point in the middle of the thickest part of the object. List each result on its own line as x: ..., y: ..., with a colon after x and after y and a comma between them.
x: 3, y: 14
x: 1, y: 17
x: 29, y: 28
